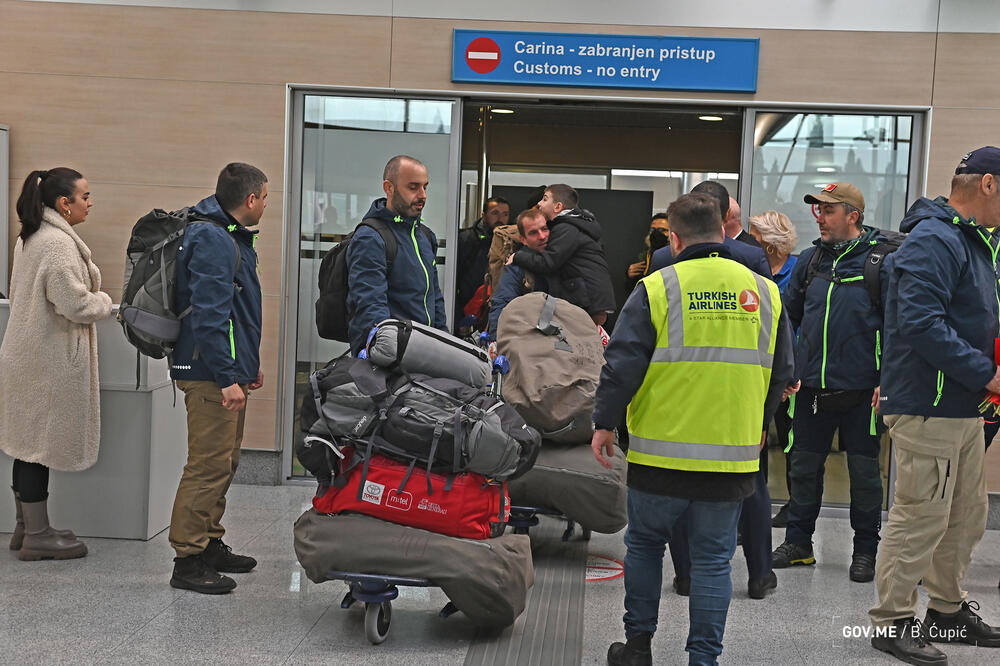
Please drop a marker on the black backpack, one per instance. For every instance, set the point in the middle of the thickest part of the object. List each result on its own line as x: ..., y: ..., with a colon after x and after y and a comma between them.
x: 872, y: 279
x: 147, y: 314
x: 332, y: 316
x: 443, y: 425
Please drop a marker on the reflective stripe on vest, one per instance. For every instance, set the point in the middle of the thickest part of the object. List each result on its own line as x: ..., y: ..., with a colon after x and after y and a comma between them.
x: 701, y: 404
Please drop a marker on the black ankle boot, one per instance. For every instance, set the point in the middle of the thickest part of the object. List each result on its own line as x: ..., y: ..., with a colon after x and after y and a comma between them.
x: 221, y: 557
x: 963, y: 626
x: 636, y: 652
x: 193, y: 573
x: 906, y: 639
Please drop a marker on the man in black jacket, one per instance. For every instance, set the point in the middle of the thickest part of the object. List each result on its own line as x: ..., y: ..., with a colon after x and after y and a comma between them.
x: 574, y: 254
x: 474, y: 250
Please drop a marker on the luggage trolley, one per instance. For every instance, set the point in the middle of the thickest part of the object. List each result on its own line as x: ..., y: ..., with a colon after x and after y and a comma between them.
x: 377, y: 591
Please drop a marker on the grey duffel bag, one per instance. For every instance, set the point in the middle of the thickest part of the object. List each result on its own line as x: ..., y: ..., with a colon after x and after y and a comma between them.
x: 486, y: 579
x: 414, y: 348
x: 569, y: 480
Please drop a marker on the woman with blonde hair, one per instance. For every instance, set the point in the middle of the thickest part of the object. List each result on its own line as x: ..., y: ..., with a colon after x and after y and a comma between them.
x: 49, y: 392
x: 776, y: 234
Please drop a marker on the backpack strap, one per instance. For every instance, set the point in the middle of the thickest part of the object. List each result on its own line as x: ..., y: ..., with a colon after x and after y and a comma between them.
x: 389, y: 238
x: 872, y: 271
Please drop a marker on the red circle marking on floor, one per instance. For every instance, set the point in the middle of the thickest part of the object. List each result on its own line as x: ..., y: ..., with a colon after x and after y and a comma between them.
x: 603, y: 568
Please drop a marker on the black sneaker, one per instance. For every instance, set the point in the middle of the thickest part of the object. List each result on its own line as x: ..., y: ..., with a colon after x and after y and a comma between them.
x: 221, y: 558
x: 792, y: 554
x: 634, y: 653
x: 907, y: 641
x: 781, y: 518
x: 682, y: 585
x: 193, y: 573
x: 862, y: 567
x: 757, y: 588
x: 962, y: 626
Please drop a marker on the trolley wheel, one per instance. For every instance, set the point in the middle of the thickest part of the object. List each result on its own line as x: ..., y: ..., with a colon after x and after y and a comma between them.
x: 377, y: 619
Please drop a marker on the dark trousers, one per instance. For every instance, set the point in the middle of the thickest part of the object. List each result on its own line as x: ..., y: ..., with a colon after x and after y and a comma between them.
x: 812, y: 439
x: 755, y: 525
x: 30, y: 481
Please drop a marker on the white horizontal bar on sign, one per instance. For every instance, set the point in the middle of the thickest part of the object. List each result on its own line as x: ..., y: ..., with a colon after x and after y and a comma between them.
x: 647, y: 173
x: 483, y: 55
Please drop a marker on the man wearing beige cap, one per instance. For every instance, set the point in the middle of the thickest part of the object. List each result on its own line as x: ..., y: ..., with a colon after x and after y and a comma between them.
x: 835, y: 303
x: 940, y: 327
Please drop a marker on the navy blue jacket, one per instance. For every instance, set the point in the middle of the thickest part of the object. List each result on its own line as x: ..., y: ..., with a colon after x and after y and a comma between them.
x: 628, y: 356
x: 220, y: 338
x: 750, y: 256
x: 410, y: 292
x: 940, y: 315
x: 511, y: 286
x: 839, y: 326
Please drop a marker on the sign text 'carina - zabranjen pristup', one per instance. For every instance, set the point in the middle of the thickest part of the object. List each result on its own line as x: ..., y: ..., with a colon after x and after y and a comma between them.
x: 605, y: 61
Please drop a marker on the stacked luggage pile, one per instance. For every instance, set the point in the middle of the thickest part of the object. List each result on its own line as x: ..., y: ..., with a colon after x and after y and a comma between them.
x: 413, y: 453
x: 556, y: 356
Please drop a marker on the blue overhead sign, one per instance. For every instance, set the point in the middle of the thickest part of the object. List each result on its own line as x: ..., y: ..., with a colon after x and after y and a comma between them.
x: 605, y: 61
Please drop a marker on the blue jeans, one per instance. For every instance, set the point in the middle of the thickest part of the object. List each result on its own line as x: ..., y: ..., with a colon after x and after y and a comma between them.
x: 651, y: 519
x: 755, y: 523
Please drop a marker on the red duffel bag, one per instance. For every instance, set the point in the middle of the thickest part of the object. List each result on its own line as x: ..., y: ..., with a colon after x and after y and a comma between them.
x: 464, y: 505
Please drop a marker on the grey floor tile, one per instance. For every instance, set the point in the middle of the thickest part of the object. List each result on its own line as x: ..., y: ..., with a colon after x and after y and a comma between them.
x: 116, y: 607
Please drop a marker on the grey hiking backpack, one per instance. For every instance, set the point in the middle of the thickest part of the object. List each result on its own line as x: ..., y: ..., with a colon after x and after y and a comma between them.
x: 147, y: 314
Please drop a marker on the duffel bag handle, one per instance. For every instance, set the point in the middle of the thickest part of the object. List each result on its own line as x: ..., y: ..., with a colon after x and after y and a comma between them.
x: 548, y: 327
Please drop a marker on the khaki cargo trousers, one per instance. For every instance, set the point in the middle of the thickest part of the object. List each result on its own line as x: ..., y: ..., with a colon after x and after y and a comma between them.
x: 937, y: 517
x: 214, y: 437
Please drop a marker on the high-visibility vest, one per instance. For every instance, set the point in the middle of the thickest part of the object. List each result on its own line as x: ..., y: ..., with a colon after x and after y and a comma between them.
x: 701, y: 404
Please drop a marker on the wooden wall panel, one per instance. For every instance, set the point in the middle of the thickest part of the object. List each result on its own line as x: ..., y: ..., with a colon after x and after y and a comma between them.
x: 796, y: 66
x: 955, y: 132
x: 177, y: 133
x: 965, y: 71
x: 194, y: 45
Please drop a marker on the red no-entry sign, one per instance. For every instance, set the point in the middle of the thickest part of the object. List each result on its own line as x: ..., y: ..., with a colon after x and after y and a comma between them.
x: 483, y: 55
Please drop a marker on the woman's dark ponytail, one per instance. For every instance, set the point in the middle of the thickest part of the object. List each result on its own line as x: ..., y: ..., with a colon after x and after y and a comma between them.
x: 40, y: 189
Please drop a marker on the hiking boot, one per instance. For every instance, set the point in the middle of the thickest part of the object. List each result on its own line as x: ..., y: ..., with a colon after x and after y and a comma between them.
x: 781, y: 518
x: 907, y: 641
x: 962, y: 626
x: 193, y: 573
x: 41, y: 542
x: 792, y: 554
x: 862, y: 567
x: 682, y: 585
x: 757, y: 587
x: 220, y: 557
x: 17, y: 538
x: 636, y: 652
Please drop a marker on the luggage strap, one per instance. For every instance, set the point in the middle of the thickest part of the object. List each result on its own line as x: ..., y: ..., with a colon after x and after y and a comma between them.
x: 549, y: 327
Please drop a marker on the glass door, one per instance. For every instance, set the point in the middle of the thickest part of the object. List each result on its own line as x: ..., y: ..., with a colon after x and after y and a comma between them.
x: 341, y: 144
x: 794, y: 153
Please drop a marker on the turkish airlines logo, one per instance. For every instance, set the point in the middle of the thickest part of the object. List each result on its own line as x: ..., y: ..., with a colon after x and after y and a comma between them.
x: 749, y: 300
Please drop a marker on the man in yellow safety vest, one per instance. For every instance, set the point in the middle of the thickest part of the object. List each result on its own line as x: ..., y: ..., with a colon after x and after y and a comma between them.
x: 699, y: 356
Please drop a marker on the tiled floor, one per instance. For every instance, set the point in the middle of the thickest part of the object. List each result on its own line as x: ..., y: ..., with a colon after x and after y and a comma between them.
x: 115, y: 606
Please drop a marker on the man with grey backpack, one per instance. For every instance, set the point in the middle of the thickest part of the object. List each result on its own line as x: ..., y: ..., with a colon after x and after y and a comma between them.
x: 216, y: 363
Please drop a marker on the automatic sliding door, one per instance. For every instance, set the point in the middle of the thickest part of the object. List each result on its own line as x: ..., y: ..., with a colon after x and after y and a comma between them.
x: 345, y: 142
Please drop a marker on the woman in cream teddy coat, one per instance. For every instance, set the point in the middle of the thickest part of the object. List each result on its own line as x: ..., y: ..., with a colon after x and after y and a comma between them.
x: 49, y: 393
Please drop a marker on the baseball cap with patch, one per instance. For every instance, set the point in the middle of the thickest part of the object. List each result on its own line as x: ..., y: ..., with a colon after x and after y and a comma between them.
x: 838, y: 193
x: 980, y: 161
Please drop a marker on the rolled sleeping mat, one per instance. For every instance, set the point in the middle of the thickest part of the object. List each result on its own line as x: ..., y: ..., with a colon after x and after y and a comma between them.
x: 415, y: 348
